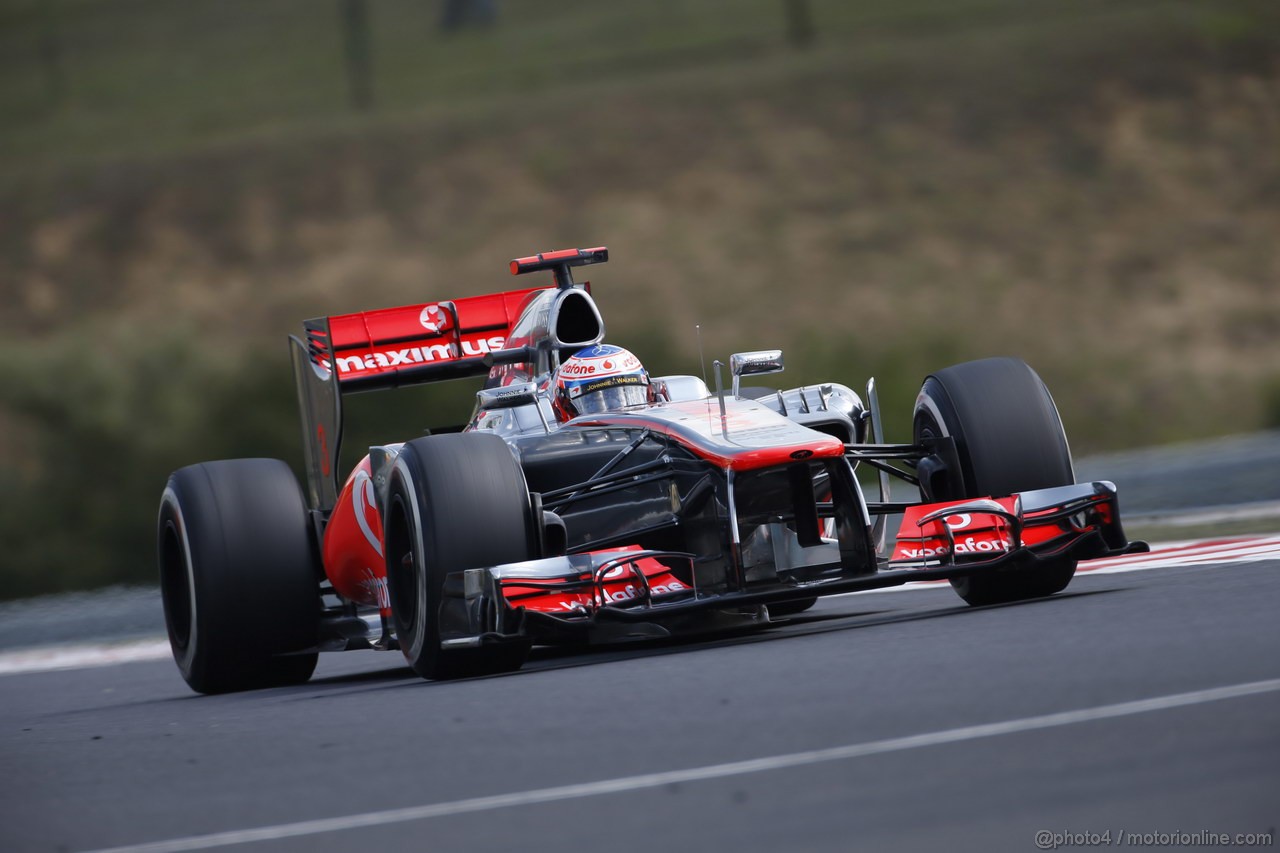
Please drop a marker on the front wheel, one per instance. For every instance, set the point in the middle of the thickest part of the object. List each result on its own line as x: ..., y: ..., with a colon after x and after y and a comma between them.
x: 455, y: 501
x: 1008, y: 438
x: 237, y: 575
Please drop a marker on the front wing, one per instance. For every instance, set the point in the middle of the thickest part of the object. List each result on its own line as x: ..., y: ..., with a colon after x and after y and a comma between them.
x: 620, y: 594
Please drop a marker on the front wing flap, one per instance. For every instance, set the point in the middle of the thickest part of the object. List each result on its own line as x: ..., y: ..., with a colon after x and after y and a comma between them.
x: 957, y: 532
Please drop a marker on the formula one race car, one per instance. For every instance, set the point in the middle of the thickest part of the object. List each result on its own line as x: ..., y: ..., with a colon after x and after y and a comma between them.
x: 545, y: 520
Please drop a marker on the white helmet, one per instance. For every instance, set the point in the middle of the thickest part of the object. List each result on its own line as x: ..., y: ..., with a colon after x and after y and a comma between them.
x: 600, y: 378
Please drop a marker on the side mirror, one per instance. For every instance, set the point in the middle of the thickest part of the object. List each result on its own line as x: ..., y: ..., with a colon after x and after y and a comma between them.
x: 508, y: 396
x: 754, y: 364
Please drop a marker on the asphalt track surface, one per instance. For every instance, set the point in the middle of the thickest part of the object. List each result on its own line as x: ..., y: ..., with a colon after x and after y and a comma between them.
x: 1137, y: 702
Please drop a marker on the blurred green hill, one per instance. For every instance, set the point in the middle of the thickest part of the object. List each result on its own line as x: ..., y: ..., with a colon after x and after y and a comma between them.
x: 1092, y: 186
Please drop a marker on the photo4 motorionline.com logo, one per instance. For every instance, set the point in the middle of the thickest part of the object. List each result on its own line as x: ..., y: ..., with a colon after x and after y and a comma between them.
x: 1047, y: 840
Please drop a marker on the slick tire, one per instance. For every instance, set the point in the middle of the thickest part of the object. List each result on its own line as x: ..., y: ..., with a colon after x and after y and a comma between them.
x: 1008, y: 438
x: 237, y: 575
x: 455, y: 501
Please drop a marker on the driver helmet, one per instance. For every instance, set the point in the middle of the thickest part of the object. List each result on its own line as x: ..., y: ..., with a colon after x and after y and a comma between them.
x: 600, y: 378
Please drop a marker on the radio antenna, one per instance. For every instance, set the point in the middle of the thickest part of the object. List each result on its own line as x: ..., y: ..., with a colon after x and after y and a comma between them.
x: 702, y: 358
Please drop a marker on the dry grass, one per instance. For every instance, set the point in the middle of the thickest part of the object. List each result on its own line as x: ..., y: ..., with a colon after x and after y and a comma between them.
x: 1127, y: 249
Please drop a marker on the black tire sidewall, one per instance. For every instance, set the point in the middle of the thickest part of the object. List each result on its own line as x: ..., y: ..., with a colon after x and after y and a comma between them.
x: 247, y: 570
x: 1008, y: 435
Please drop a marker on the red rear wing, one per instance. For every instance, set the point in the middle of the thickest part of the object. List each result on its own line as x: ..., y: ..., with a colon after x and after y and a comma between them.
x: 431, y: 342
x: 427, y: 342
x: 414, y: 343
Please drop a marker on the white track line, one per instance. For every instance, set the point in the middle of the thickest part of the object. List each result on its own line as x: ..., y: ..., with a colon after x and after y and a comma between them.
x: 1251, y: 549
x: 698, y: 774
x: 47, y: 658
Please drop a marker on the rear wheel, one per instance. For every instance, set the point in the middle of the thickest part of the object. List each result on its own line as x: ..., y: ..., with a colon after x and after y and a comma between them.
x: 455, y: 501
x: 1008, y: 439
x: 237, y: 575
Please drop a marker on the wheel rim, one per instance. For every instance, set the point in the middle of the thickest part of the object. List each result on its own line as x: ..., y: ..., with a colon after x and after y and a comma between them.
x: 175, y: 587
x: 404, y: 567
x: 926, y: 426
x: 408, y: 578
